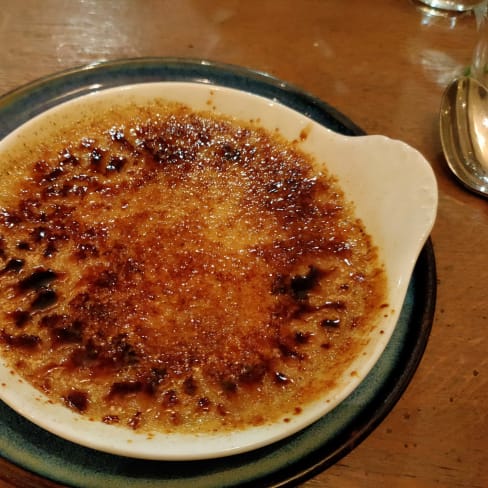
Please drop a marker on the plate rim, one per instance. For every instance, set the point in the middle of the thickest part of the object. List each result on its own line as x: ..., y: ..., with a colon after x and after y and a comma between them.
x: 282, y: 89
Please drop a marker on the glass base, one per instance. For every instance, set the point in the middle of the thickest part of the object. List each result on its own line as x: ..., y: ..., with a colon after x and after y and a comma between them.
x: 453, y: 5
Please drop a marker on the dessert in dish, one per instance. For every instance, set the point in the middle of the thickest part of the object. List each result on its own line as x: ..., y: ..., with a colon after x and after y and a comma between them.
x: 173, y: 270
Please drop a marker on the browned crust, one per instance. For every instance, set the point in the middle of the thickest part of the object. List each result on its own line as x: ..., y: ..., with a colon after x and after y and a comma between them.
x: 181, y: 271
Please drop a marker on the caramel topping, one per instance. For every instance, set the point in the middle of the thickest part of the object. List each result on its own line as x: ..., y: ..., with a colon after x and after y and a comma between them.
x: 176, y: 270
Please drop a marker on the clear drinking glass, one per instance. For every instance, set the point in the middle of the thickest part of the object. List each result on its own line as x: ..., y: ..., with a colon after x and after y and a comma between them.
x: 453, y: 5
x: 479, y: 64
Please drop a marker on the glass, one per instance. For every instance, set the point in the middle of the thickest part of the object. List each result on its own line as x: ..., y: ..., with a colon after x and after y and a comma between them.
x: 453, y: 5
x: 479, y: 65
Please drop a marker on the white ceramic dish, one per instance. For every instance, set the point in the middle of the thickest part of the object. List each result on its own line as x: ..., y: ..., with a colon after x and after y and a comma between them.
x: 395, y: 194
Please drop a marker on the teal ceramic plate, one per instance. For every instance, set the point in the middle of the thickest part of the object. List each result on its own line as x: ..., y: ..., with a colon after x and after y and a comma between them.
x: 286, y: 462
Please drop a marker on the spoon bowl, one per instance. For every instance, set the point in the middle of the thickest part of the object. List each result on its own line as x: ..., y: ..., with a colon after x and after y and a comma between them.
x: 464, y: 132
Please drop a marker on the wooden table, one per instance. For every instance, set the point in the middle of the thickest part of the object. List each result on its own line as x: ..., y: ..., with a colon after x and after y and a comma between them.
x: 384, y: 64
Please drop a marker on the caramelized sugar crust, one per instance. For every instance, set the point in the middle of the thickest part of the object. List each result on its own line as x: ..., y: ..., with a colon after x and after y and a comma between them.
x: 169, y: 270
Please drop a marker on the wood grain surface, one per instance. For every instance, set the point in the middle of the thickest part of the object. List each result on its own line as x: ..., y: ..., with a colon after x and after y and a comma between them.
x: 384, y: 64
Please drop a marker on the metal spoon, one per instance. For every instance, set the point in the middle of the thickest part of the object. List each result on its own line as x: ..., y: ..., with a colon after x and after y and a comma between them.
x: 464, y: 132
